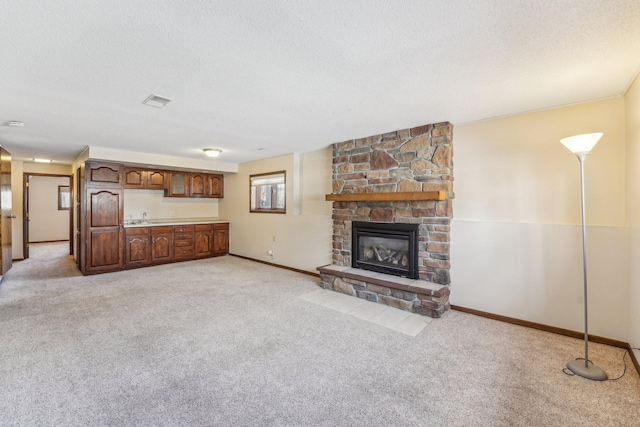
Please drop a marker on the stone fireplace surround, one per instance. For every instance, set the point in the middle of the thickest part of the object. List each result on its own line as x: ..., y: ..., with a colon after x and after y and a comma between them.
x: 404, y: 166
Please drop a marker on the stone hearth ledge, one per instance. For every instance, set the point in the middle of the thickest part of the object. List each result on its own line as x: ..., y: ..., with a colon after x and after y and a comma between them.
x: 417, y: 296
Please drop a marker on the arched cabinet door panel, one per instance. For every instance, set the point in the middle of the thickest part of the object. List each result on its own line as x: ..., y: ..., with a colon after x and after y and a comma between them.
x: 104, y: 232
x: 216, y: 186
x: 221, y: 239
x: 103, y: 174
x: 161, y: 244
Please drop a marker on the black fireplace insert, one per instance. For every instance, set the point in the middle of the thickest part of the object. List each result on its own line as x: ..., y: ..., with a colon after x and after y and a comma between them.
x: 385, y: 248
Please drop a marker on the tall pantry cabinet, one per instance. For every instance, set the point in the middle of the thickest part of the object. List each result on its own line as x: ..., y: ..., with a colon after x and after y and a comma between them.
x: 103, y: 218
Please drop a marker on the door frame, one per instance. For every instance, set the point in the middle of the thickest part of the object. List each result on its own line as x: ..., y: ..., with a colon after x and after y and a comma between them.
x: 25, y: 209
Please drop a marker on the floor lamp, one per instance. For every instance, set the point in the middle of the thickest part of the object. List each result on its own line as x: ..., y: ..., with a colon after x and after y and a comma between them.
x: 581, y: 145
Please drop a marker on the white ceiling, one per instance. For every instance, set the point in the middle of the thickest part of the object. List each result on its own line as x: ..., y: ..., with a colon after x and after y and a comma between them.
x: 260, y: 78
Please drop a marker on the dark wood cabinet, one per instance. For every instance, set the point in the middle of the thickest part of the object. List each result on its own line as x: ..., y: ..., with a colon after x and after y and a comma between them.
x: 198, y: 185
x: 216, y: 186
x: 134, y: 178
x: 220, y: 239
x: 105, y: 246
x: 204, y: 240
x: 137, y: 247
x: 156, y: 180
x: 144, y: 179
x: 178, y: 185
x: 161, y: 244
x: 103, y: 174
x: 103, y: 230
x: 193, y: 184
x: 183, y: 246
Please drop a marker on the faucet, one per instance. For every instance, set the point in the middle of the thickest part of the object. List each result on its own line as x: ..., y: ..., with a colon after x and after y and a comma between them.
x: 144, y: 217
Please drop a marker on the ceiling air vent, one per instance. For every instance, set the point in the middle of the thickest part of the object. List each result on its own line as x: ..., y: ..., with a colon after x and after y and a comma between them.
x: 156, y: 101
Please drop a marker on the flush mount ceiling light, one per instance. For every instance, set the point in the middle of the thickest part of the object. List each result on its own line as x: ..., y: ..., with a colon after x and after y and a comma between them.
x: 156, y: 101
x: 42, y: 160
x: 212, y: 152
x: 15, y: 124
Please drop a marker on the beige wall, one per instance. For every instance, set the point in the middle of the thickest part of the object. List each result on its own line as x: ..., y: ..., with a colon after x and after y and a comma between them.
x: 156, y: 205
x: 301, y: 238
x: 632, y: 103
x: 47, y: 223
x: 17, y: 170
x: 516, y: 237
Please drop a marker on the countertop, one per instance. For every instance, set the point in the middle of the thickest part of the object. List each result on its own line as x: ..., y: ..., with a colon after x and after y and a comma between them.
x: 173, y: 221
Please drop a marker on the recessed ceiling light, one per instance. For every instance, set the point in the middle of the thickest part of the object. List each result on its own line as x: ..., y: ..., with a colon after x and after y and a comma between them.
x: 42, y: 160
x: 156, y: 101
x: 212, y: 152
x: 15, y: 124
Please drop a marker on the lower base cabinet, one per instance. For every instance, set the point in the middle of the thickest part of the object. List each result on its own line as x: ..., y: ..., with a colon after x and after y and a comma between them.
x: 220, y: 239
x: 204, y: 240
x: 137, y: 249
x: 146, y: 246
x: 161, y: 244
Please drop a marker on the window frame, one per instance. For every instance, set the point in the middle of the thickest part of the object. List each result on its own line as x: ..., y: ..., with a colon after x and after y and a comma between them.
x: 253, y: 203
x: 61, y: 207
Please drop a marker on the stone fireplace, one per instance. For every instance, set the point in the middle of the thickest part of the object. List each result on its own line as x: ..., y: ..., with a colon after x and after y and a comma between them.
x: 403, y: 179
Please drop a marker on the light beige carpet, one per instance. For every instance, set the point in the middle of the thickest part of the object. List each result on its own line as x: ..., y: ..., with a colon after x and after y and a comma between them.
x: 226, y: 341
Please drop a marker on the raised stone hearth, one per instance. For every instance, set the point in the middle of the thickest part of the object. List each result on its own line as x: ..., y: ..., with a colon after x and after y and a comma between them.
x: 397, y: 177
x: 418, y: 296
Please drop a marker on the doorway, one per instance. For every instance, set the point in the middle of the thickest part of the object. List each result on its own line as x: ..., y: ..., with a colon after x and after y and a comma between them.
x: 48, y: 213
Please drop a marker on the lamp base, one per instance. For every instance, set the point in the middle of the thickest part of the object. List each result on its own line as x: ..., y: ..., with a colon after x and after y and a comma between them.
x: 589, y: 371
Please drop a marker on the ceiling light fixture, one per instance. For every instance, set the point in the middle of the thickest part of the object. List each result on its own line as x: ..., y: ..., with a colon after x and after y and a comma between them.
x: 15, y: 124
x: 156, y: 101
x: 212, y: 152
x: 42, y: 160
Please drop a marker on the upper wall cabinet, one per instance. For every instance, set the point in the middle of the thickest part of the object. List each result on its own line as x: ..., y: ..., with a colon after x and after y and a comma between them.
x: 198, y: 185
x: 144, y: 178
x: 157, y: 180
x: 194, y: 184
x: 216, y: 186
x: 103, y: 174
x: 178, y: 185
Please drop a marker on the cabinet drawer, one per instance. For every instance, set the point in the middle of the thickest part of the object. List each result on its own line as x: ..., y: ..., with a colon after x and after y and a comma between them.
x: 183, y: 253
x: 183, y: 236
x: 222, y: 226
x: 137, y: 231
x: 161, y: 230
x: 204, y: 227
x: 183, y: 243
x: 183, y: 228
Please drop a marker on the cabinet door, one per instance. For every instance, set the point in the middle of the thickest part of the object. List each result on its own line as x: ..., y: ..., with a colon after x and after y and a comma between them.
x: 216, y: 186
x: 156, y: 180
x: 221, y: 239
x: 103, y: 174
x: 104, y: 231
x: 162, y: 247
x: 178, y: 184
x: 204, y: 244
x: 198, y: 186
x: 138, y: 251
x: 135, y: 178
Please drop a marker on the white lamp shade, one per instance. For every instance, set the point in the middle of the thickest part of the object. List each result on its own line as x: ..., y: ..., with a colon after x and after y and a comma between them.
x: 581, y: 144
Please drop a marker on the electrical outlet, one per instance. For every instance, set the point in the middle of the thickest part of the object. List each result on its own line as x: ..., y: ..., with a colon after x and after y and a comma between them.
x: 171, y: 214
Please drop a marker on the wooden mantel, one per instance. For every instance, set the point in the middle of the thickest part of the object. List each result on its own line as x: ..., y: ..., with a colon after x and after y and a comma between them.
x: 384, y: 197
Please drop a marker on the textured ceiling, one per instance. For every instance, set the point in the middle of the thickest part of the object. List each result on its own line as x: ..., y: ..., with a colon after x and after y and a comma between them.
x: 259, y: 78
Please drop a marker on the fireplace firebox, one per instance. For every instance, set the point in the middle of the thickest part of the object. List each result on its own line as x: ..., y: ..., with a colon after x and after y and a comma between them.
x: 385, y: 248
